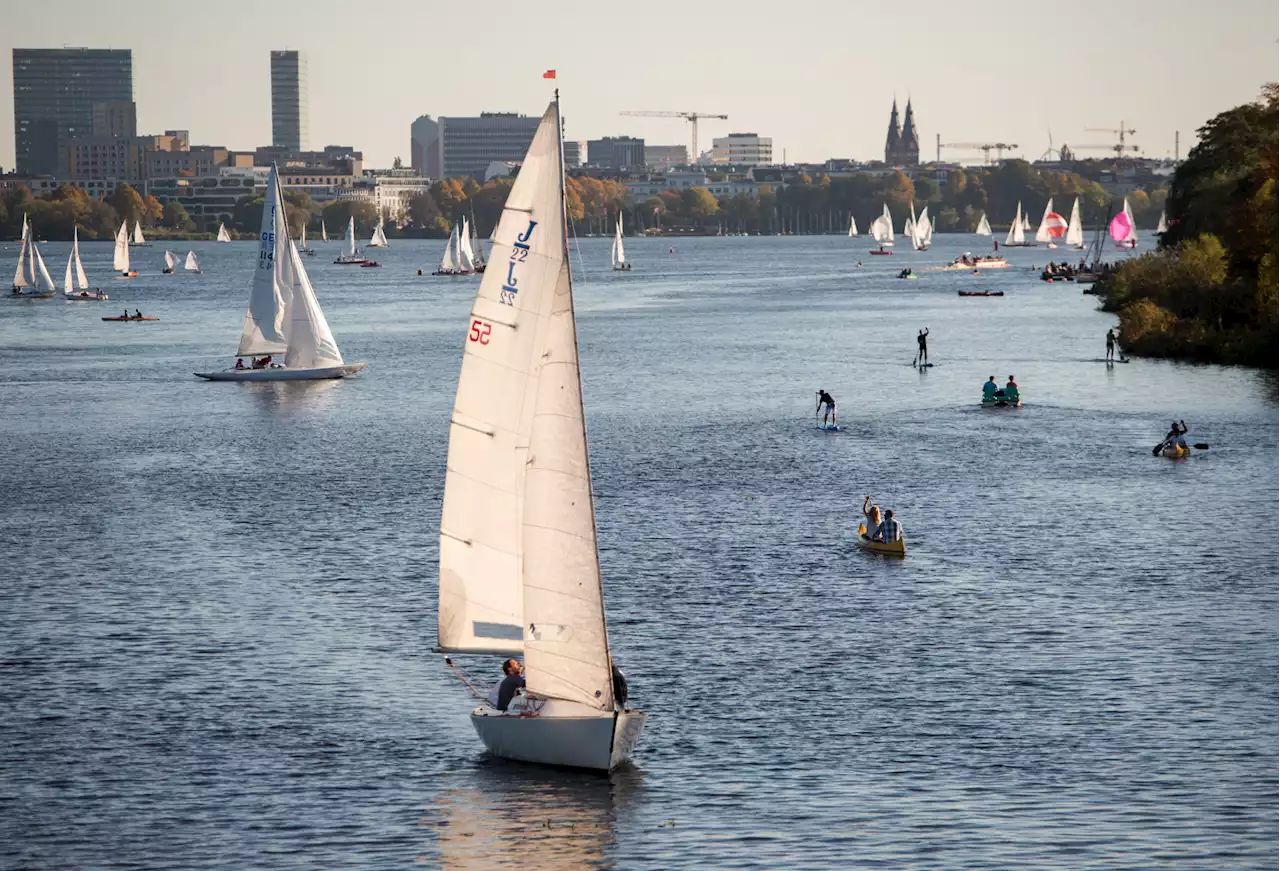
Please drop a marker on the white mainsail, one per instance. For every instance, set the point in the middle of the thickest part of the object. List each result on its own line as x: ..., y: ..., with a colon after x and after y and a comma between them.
x: 170, y: 259
x: 38, y: 262
x: 465, y: 260
x: 378, y: 239
x: 137, y: 234
x: 1162, y: 226
x: 448, y: 263
x: 1016, y: 236
x: 351, y: 237
x: 882, y: 228
x: 324, y: 233
x: 477, y: 250
x: 82, y: 280
x: 120, y: 263
x: 223, y: 235
x: 1132, y: 238
x: 618, y: 255
x: 1042, y: 232
x: 984, y: 227
x: 1026, y: 222
x: 311, y: 342
x: 302, y: 246
x: 19, y: 278
x: 923, y: 230
x: 1075, y: 227
x: 264, y: 329
x: 853, y: 226
x: 192, y: 264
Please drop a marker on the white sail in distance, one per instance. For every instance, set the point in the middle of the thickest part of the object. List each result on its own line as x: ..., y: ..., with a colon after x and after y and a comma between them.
x: 351, y: 237
x: 1133, y: 224
x: 170, y: 259
x: 618, y: 254
x: 1016, y: 234
x: 19, y: 277
x: 223, y: 235
x: 984, y: 227
x: 38, y: 262
x: 853, y: 227
x: 1075, y: 227
x: 324, y: 233
x: 923, y: 230
x: 1162, y: 226
x: 192, y: 265
x: 465, y: 261
x: 264, y: 326
x: 448, y: 263
x: 82, y: 280
x: 1042, y: 232
x: 120, y: 261
x: 137, y: 234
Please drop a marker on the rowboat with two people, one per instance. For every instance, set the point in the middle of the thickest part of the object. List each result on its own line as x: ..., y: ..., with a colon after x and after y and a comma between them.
x: 882, y: 535
x: 995, y: 396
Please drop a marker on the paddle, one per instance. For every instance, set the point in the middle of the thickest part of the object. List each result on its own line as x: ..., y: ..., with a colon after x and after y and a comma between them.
x: 1200, y: 446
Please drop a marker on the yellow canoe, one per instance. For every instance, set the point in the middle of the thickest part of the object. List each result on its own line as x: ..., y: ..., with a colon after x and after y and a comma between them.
x: 896, y: 548
x: 1175, y: 452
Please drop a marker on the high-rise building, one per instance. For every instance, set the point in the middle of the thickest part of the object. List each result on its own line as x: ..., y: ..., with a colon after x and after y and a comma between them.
x: 616, y: 152
x: 742, y: 149
x: 662, y: 157
x: 469, y: 145
x: 115, y: 118
x: 289, y: 100
x: 424, y: 146
x: 54, y: 93
x: 574, y: 152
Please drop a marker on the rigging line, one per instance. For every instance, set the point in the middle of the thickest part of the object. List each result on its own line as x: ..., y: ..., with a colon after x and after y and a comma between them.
x: 462, y: 677
x: 576, y: 244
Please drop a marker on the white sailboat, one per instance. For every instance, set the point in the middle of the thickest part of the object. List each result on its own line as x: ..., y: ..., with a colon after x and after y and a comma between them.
x: 379, y: 238
x: 170, y: 262
x: 882, y: 231
x: 80, y: 290
x: 923, y: 236
x: 477, y: 250
x: 120, y: 260
x: 1162, y: 226
x: 284, y: 316
x: 618, y: 254
x: 324, y: 233
x: 303, y: 247
x: 466, y: 257
x: 1131, y: 240
x: 519, y: 564
x: 449, y: 263
x: 223, y: 235
x: 1026, y: 222
x: 137, y: 236
x: 1017, y: 233
x: 31, y: 269
x: 1075, y: 228
x: 192, y: 265
x: 984, y: 227
x: 351, y: 255
x: 1042, y: 232
x: 853, y: 227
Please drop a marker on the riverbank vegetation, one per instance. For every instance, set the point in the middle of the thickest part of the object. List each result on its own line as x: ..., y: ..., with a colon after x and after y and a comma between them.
x: 1209, y: 294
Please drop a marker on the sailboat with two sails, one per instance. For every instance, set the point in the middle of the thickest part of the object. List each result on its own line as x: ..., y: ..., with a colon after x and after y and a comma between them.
x: 120, y: 260
x: 1017, y: 237
x: 284, y: 316
x: 1052, y: 226
x: 31, y: 271
x: 80, y: 291
x: 351, y: 255
x: 457, y: 259
x: 223, y: 235
x: 138, y: 241
x: 1075, y: 229
x: 519, y: 562
x: 882, y: 232
x: 618, y: 254
x: 379, y: 237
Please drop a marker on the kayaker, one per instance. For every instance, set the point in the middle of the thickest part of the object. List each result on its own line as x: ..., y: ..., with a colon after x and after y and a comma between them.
x: 890, y: 529
x: 990, y: 389
x: 826, y: 405
x: 1177, y: 430
x: 1111, y: 346
x: 870, y: 518
x: 922, y: 340
x: 137, y: 313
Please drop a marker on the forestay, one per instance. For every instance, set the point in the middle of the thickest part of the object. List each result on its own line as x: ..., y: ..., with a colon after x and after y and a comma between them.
x: 264, y: 323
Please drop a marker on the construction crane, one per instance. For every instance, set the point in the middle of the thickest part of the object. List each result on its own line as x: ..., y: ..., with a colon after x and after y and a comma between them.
x: 985, y: 147
x: 1120, y: 133
x: 691, y: 117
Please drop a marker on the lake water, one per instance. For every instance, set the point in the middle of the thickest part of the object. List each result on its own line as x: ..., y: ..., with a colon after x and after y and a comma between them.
x: 218, y: 600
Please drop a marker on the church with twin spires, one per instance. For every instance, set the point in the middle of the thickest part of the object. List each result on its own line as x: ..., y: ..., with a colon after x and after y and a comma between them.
x: 902, y: 146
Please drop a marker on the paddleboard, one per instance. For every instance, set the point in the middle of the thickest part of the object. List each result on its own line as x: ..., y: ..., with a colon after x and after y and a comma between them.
x: 831, y: 427
x: 923, y: 365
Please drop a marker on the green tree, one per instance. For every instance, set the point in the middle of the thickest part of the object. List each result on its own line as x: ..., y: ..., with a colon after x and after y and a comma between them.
x: 699, y: 202
x: 175, y: 216
x: 128, y: 204
x: 423, y: 211
x: 338, y: 212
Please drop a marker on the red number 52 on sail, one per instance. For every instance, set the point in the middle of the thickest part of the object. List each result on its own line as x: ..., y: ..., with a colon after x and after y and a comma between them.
x: 480, y: 331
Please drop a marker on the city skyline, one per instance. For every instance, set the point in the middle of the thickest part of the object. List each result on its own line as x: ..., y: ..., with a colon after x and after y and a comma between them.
x: 815, y: 99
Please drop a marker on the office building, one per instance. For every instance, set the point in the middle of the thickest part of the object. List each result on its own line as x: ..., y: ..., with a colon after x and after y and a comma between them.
x: 289, y: 100
x: 424, y: 146
x: 469, y: 145
x: 616, y: 152
x: 664, y: 157
x: 115, y: 118
x: 742, y: 149
x: 54, y: 93
x: 574, y: 152
x: 115, y: 157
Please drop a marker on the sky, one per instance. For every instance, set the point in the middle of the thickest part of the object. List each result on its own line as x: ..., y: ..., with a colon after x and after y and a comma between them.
x: 818, y: 76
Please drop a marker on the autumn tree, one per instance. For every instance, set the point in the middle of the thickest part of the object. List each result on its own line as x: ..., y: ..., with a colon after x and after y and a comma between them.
x: 128, y: 204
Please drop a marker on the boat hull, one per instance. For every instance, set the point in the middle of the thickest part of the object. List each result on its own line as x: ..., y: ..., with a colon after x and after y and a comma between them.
x: 18, y: 293
x: 122, y: 320
x: 560, y: 733
x: 85, y: 296
x: 896, y: 548
x: 282, y: 373
x: 1175, y: 452
x: 1002, y: 403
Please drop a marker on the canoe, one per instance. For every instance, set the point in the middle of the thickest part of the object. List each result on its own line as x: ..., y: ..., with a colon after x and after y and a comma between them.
x: 130, y: 319
x: 1175, y: 452
x: 897, y: 548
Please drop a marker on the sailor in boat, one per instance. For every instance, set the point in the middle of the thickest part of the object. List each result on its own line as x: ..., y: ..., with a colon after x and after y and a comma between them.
x: 126, y: 314
x: 870, y: 518
x: 505, y: 689
x: 239, y: 362
x: 1010, y: 391
x: 922, y: 351
x: 1175, y: 436
x: 826, y: 405
x: 990, y: 390
x: 1111, y: 346
x: 137, y: 313
x: 890, y: 529
x: 261, y: 362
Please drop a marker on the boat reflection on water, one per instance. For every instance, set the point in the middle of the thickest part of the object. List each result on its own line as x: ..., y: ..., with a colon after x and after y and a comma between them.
x: 293, y: 397
x: 507, y: 813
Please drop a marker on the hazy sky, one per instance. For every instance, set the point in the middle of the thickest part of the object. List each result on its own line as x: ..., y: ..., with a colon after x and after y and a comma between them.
x: 817, y: 76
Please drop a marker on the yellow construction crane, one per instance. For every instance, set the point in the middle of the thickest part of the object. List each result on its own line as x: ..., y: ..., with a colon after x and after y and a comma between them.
x: 691, y: 117
x: 985, y: 147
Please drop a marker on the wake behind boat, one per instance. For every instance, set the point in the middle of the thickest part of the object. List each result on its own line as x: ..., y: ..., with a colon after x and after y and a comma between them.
x: 284, y: 316
x: 519, y: 564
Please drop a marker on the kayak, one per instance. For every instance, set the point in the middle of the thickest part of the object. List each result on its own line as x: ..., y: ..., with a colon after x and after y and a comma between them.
x: 1001, y: 402
x: 896, y: 548
x: 980, y: 293
x: 130, y: 319
x: 1175, y: 452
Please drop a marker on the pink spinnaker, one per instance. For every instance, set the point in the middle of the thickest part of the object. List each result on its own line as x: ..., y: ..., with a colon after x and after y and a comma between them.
x: 1120, y: 227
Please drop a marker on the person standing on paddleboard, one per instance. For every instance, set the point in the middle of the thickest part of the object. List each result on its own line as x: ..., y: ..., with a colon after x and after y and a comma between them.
x: 826, y: 405
x: 1111, y: 346
x: 922, y: 353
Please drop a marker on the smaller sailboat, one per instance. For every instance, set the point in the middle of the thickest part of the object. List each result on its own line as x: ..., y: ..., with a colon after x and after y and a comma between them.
x: 379, y: 238
x: 618, y: 254
x: 984, y: 226
x: 455, y: 260
x: 80, y: 291
x: 324, y: 233
x: 284, y: 316
x: 138, y: 241
x: 922, y: 237
x: 1075, y: 228
x: 1052, y: 226
x: 1124, y: 228
x: 882, y: 232
x: 1026, y: 223
x: 351, y: 256
x: 120, y: 260
x: 1017, y: 232
x: 223, y: 235
x: 853, y: 227
x: 1162, y: 226
x: 31, y: 269
x: 477, y: 250
x: 192, y: 264
x: 170, y: 262
x: 303, y: 247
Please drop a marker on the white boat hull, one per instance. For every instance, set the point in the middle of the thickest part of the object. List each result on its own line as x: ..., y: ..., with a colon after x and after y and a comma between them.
x: 560, y: 733
x: 86, y: 296
x: 282, y: 373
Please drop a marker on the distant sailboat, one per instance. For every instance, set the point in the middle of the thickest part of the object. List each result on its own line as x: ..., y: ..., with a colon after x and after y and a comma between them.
x: 1162, y: 226
x: 853, y: 227
x: 170, y: 262
x: 984, y: 227
x: 477, y: 250
x: 451, y: 262
x: 1075, y: 228
x: 882, y: 231
x: 284, y: 316
x: 1026, y: 222
x: 618, y: 255
x: 120, y: 261
x: 923, y: 236
x: 379, y: 238
x: 302, y: 243
x: 519, y: 561
x: 324, y: 233
x: 137, y: 236
x: 223, y: 235
x: 80, y: 291
x: 351, y: 255
x: 192, y: 265
x: 466, y: 257
x: 1052, y: 226
x: 1017, y: 234
x: 26, y: 281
